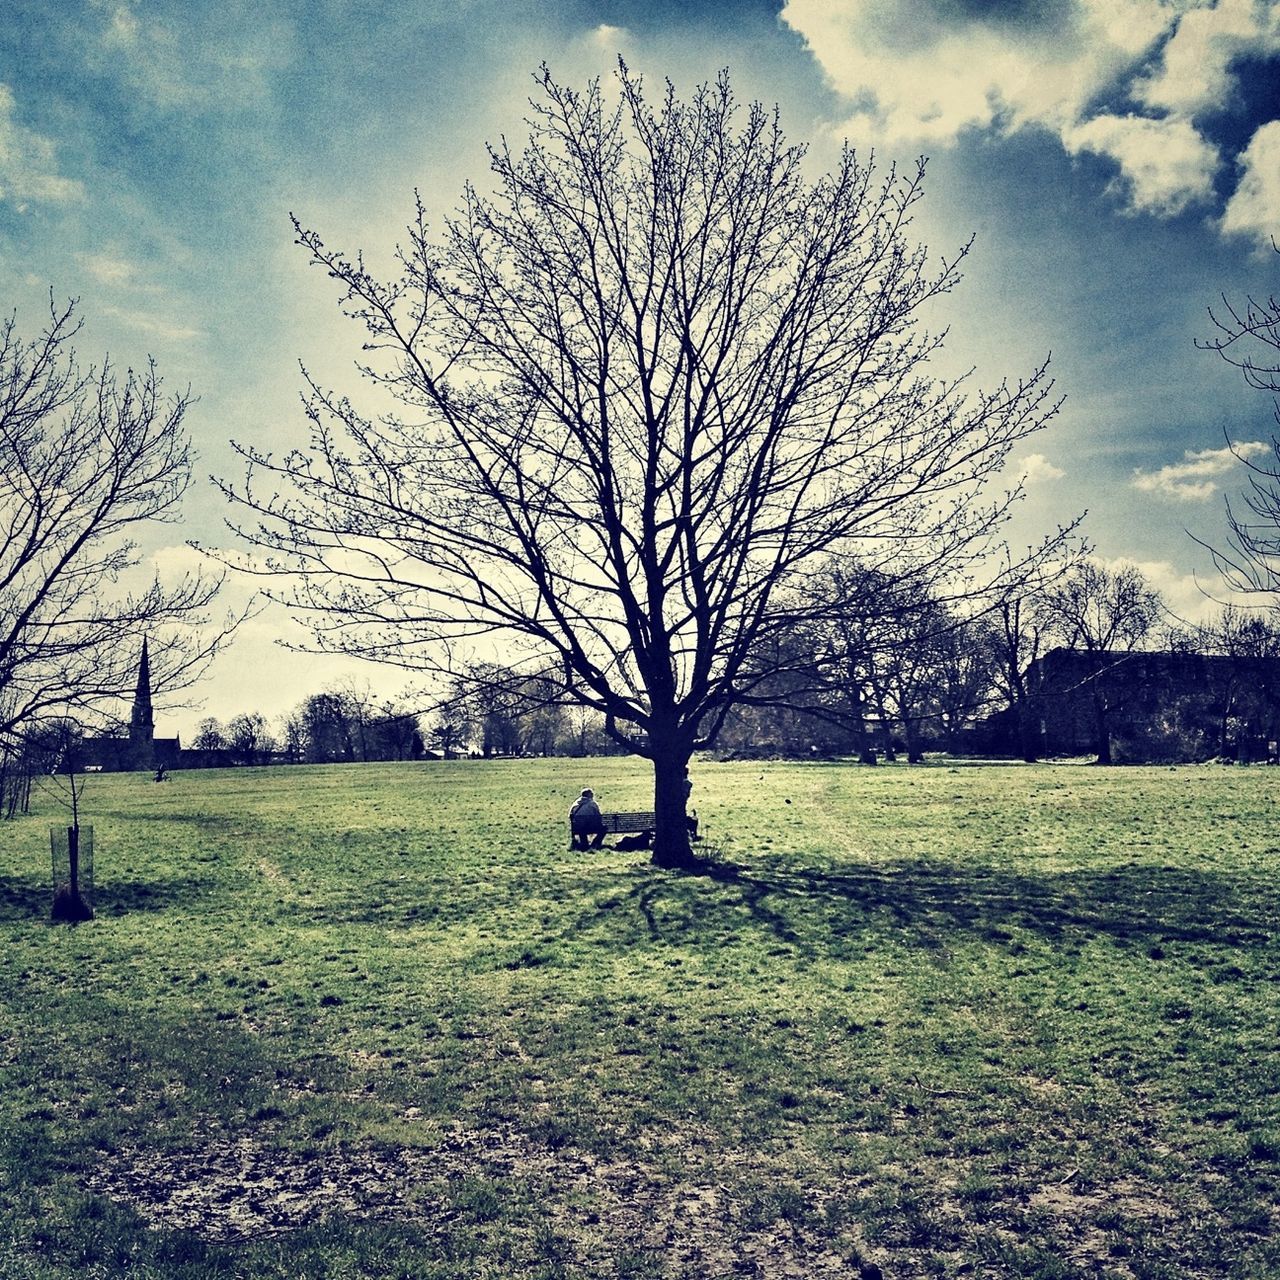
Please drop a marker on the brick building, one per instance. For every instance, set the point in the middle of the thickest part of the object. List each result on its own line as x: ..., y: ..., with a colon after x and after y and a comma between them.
x: 1147, y: 706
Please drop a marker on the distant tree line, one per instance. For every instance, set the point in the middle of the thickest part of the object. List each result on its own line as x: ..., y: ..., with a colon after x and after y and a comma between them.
x: 901, y: 674
x: 907, y: 672
x: 344, y: 724
x: 497, y: 712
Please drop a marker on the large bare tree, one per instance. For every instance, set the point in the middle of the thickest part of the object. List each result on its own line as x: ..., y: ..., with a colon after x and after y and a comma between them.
x: 86, y: 457
x: 648, y: 385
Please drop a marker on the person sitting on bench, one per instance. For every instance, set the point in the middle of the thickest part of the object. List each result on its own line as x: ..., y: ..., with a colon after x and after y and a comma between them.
x: 585, y: 820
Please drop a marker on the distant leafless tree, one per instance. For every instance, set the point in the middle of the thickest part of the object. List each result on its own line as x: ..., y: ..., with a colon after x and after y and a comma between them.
x: 584, y: 733
x: 647, y: 387
x: 899, y: 662
x: 545, y: 723
x: 210, y: 735
x: 966, y: 675
x: 86, y: 458
x: 905, y: 668
x: 330, y: 729
x: 1241, y: 695
x: 1244, y: 633
x: 344, y: 723
x: 292, y: 736
x: 900, y: 658
x: 248, y: 737
x: 396, y: 729
x: 809, y: 701
x: 1107, y: 612
x: 1097, y: 609
x: 1016, y: 637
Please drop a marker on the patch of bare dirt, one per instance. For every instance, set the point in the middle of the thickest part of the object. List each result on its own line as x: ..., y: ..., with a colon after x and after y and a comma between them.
x: 271, y: 873
x: 706, y: 1224
x: 1075, y: 1212
x: 239, y: 1188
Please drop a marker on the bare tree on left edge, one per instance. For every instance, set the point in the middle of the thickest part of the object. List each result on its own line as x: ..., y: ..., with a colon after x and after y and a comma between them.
x: 87, y: 457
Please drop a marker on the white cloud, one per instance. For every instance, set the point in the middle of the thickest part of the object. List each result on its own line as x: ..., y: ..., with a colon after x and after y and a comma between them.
x: 916, y: 79
x: 1191, y: 480
x: 107, y: 269
x: 1254, y: 209
x: 922, y: 72
x: 1036, y: 468
x: 608, y: 37
x: 123, y: 27
x: 151, y: 58
x: 1165, y: 165
x: 1195, y: 67
x: 28, y: 166
x: 144, y: 322
x: 197, y: 60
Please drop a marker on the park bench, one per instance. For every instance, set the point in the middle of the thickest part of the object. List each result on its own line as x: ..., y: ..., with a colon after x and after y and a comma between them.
x: 616, y: 824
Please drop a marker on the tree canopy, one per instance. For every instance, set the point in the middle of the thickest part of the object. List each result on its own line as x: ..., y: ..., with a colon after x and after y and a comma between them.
x: 651, y: 385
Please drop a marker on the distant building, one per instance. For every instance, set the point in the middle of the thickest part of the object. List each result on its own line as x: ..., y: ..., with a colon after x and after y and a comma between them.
x: 1145, y: 706
x: 140, y: 749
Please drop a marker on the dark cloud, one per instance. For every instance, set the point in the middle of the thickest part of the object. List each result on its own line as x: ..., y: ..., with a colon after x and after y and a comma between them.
x: 914, y: 25
x: 1040, y: 15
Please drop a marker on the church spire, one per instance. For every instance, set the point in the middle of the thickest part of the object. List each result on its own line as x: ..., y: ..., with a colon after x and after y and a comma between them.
x: 142, y: 721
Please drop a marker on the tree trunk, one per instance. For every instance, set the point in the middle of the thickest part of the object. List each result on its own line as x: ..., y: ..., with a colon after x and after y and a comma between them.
x: 1224, y: 739
x: 671, y: 847
x: 862, y: 738
x: 1104, y: 731
x: 69, y: 906
x: 1029, y: 731
x: 73, y: 860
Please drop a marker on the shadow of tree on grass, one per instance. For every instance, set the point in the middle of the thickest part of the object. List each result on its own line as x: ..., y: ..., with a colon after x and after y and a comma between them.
x: 932, y: 904
x: 25, y: 898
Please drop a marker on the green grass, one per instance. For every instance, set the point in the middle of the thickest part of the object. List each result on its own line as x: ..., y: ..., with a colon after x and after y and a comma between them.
x: 378, y: 1021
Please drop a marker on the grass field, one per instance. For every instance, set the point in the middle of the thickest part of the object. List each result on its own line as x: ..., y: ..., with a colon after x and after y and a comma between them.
x: 378, y: 1021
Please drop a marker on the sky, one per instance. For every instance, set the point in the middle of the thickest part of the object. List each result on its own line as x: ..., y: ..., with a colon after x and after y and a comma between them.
x: 1117, y: 161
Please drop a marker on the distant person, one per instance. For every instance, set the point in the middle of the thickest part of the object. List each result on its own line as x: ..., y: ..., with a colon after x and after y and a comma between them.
x: 585, y: 820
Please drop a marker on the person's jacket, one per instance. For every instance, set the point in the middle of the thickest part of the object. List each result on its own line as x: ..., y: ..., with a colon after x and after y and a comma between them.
x: 584, y: 808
